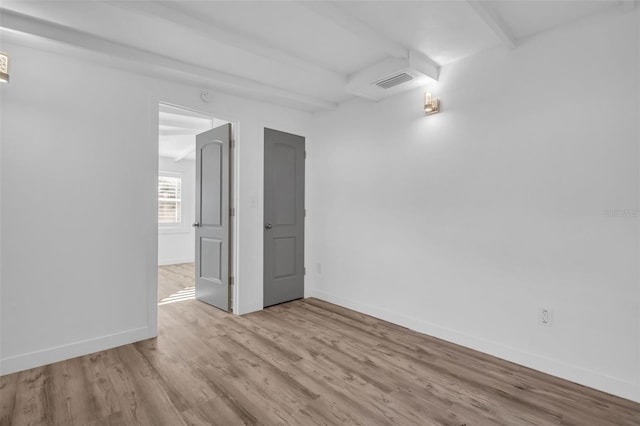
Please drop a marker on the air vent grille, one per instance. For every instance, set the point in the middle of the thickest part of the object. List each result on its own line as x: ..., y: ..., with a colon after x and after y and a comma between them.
x: 390, y: 82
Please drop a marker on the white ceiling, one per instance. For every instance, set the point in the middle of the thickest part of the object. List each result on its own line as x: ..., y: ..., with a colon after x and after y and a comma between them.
x: 293, y: 53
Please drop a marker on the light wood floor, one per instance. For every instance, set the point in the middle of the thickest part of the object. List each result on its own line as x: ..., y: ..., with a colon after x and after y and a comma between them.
x: 306, y: 362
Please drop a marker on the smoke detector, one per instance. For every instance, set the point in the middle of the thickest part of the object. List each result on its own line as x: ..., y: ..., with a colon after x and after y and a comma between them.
x: 393, y: 76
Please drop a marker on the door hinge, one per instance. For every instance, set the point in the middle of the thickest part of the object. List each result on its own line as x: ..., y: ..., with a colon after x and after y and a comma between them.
x: 232, y: 211
x: 230, y: 280
x: 304, y: 271
x: 305, y: 212
x: 305, y: 155
x: 233, y: 143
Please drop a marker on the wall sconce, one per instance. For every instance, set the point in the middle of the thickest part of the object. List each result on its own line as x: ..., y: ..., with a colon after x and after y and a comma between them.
x: 431, y: 106
x: 4, y: 67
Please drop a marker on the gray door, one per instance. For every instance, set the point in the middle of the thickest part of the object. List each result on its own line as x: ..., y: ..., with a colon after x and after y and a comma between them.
x: 212, y: 217
x: 283, y: 217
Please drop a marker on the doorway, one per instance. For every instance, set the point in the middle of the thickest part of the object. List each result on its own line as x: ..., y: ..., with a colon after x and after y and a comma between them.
x: 179, y: 201
x: 284, y: 167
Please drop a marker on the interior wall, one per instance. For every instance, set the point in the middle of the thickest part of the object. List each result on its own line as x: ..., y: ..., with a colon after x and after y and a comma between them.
x: 177, y: 245
x: 521, y: 194
x: 78, y: 184
x: 79, y: 167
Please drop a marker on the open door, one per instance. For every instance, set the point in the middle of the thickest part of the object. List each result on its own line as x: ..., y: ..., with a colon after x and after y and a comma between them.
x: 212, y: 217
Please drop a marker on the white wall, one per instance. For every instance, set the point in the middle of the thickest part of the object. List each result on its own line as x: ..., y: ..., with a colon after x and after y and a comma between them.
x: 177, y: 244
x: 79, y: 164
x: 461, y: 225
x: 78, y: 169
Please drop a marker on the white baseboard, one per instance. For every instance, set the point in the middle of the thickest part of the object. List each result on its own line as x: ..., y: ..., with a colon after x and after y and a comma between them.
x: 60, y: 353
x: 164, y: 262
x: 586, y: 377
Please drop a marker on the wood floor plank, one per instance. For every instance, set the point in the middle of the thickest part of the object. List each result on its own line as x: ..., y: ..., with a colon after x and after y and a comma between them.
x: 114, y: 419
x: 8, y: 389
x: 512, y: 380
x: 32, y: 406
x: 368, y: 366
x: 141, y: 391
x: 303, y: 378
x: 215, y: 412
x: 187, y: 387
x: 306, y: 362
x: 358, y: 372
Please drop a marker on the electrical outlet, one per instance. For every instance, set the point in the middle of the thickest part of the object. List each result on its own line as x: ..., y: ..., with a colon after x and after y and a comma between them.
x: 545, y: 317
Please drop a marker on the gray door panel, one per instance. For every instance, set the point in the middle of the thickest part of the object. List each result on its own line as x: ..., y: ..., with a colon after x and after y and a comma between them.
x: 283, y: 217
x: 212, y: 216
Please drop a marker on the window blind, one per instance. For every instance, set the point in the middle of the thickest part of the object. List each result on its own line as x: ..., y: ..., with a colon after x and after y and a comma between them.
x: 169, y: 200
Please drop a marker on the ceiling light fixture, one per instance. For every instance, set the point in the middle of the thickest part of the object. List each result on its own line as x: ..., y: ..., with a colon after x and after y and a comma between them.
x: 4, y: 67
x: 431, y: 106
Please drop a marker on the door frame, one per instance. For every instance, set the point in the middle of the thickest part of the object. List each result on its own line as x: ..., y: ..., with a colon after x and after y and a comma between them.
x: 233, y: 197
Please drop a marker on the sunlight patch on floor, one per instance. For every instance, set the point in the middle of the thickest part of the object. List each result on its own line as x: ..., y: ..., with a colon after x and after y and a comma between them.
x: 189, y: 293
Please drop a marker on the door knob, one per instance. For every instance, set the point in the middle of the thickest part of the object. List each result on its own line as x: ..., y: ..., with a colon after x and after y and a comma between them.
x: 268, y: 226
x: 196, y: 225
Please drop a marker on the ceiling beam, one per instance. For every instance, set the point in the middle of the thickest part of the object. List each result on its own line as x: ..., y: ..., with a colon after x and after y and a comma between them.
x: 219, y: 32
x: 168, y: 110
x: 185, y: 152
x: 184, y: 122
x: 175, y: 132
x: 332, y: 12
x: 494, y: 22
x: 159, y: 65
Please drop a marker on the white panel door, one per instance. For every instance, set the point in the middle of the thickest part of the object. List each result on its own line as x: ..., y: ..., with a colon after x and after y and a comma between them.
x: 212, y: 217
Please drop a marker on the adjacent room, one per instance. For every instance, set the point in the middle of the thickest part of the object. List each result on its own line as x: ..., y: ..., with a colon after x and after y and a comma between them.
x: 178, y: 199
x: 320, y: 212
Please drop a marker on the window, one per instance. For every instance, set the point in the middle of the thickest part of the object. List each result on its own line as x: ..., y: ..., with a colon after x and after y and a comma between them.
x: 169, y: 200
